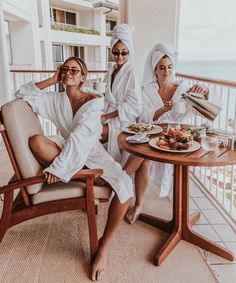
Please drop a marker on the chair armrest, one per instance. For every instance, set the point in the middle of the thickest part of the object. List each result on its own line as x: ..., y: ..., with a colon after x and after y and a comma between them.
x: 88, y: 173
x: 82, y: 175
x: 22, y: 183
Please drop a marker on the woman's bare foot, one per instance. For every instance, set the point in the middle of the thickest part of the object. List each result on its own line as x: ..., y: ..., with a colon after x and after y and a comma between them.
x: 99, y: 262
x: 133, y: 214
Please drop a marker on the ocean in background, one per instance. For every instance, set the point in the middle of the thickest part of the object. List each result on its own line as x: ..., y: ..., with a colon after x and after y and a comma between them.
x: 221, y: 69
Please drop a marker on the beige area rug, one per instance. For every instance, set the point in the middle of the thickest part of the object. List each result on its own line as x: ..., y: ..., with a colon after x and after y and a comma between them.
x: 55, y: 248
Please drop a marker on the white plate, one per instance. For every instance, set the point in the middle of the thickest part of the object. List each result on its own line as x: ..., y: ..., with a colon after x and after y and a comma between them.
x: 144, y: 140
x: 195, y: 146
x: 156, y: 129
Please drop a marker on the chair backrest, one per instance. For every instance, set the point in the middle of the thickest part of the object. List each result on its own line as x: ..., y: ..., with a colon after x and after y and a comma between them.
x: 21, y: 123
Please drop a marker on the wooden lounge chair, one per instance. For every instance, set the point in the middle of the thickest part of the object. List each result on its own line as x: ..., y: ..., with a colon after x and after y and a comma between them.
x: 35, y: 197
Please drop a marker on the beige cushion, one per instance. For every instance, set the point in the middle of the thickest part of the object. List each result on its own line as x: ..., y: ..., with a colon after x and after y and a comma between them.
x: 21, y: 123
x: 72, y: 189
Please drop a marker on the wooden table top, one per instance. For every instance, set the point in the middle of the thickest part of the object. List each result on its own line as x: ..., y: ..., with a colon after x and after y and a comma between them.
x: 200, y: 157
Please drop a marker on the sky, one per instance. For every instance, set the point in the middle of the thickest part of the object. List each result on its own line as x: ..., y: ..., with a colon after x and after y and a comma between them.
x: 207, y: 30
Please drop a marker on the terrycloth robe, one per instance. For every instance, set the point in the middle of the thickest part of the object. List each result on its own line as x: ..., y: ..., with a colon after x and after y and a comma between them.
x: 81, y: 135
x: 162, y: 173
x: 125, y: 97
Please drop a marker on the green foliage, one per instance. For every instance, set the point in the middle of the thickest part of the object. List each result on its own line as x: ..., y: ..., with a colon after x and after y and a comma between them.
x: 74, y: 29
x: 109, y: 33
x: 228, y: 195
x: 231, y: 123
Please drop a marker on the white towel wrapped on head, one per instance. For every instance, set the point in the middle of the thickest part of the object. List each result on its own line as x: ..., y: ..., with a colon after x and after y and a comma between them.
x: 155, y: 55
x: 124, y: 33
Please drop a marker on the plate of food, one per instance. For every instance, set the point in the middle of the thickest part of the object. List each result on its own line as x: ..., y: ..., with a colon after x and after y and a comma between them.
x: 197, y: 132
x: 134, y: 128
x: 178, y: 141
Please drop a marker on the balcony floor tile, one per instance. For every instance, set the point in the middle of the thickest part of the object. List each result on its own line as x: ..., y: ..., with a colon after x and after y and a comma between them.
x: 192, y: 204
x: 231, y: 246
x: 213, y: 216
x: 207, y: 231
x: 226, y: 272
x: 195, y: 192
x: 225, y: 232
x: 203, y: 203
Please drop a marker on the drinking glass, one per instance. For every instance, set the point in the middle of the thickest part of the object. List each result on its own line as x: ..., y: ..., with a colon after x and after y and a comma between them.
x: 209, y: 143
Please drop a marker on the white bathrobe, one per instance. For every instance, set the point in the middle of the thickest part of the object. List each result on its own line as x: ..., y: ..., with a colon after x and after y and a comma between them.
x: 81, y: 135
x: 161, y: 173
x: 124, y: 96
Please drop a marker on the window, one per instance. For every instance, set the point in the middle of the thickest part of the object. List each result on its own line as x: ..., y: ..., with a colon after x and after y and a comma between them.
x: 77, y: 51
x: 43, y: 53
x: 110, y: 24
x: 109, y: 60
x: 57, y: 51
x: 70, y: 18
x: 60, y: 16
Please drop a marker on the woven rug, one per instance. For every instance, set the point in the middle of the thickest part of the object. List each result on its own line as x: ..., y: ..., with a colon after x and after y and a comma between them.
x: 55, y: 248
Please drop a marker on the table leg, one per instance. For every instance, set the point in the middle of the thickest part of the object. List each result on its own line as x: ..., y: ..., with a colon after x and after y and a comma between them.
x: 180, y: 226
x: 193, y: 218
x: 159, y: 223
x: 175, y: 236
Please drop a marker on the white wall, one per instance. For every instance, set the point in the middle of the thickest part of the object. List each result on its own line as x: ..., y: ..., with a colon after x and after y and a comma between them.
x: 24, y: 5
x: 4, y: 66
x: 86, y: 19
x: 24, y: 35
x: 154, y: 21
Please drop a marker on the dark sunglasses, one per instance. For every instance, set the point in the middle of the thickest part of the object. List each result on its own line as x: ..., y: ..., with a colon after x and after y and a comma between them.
x: 123, y: 53
x: 73, y: 71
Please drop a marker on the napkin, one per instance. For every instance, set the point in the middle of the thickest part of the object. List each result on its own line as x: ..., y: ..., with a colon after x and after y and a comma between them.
x: 137, y: 138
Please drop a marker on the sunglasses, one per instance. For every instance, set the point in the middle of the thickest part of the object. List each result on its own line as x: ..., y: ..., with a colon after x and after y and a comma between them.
x: 72, y: 71
x: 123, y: 53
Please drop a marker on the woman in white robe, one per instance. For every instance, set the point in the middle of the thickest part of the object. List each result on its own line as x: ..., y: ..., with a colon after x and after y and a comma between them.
x: 160, y: 93
x: 123, y: 103
x: 77, y: 115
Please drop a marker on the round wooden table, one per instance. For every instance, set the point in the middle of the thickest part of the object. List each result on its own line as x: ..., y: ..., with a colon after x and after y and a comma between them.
x: 180, y: 225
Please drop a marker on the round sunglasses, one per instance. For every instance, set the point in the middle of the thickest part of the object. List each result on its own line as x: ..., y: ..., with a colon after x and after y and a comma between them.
x: 72, y: 71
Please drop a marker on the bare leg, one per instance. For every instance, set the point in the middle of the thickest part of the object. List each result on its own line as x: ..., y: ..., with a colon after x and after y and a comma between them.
x: 141, y: 168
x: 43, y: 149
x: 115, y: 217
x: 105, y: 133
x: 132, y: 164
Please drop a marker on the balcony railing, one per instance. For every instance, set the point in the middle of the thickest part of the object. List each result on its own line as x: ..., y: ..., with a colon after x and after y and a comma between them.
x: 73, y: 28
x: 218, y: 183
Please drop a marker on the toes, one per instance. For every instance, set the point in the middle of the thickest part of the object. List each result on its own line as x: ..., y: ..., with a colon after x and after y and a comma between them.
x: 128, y: 216
x: 132, y: 220
x: 132, y: 215
x: 99, y: 274
x: 94, y: 276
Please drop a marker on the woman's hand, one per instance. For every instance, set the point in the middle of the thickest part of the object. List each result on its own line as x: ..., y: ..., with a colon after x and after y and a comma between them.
x: 51, y: 179
x: 57, y: 76
x: 200, y: 89
x: 168, y: 105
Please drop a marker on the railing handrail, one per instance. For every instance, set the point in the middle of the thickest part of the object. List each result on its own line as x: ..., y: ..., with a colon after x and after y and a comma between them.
x: 208, y: 80
x: 191, y: 77
x: 53, y: 71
